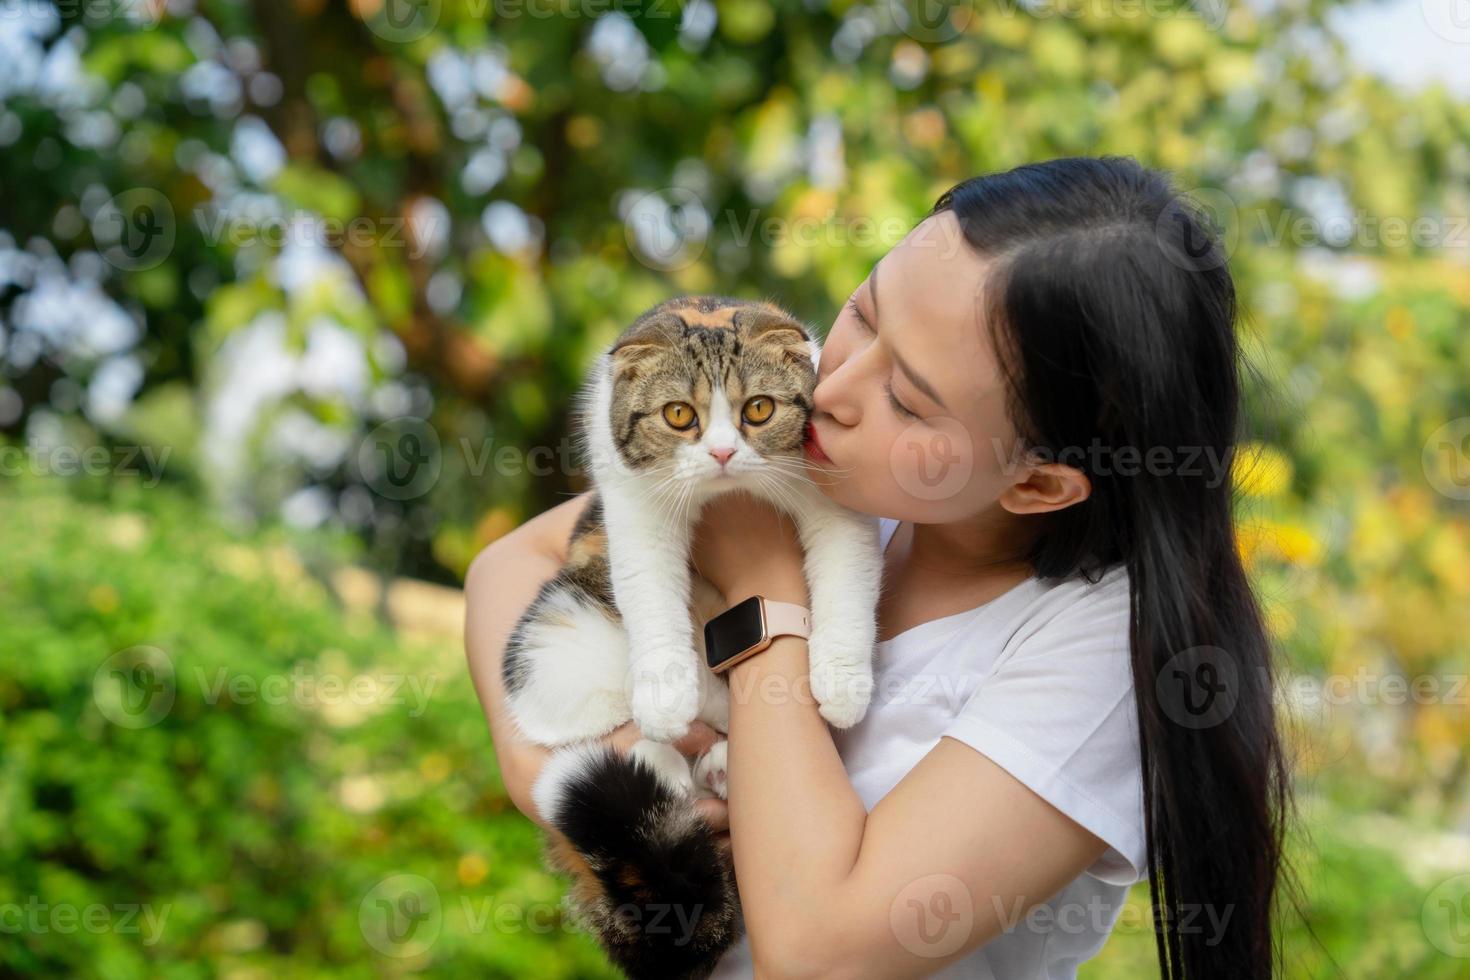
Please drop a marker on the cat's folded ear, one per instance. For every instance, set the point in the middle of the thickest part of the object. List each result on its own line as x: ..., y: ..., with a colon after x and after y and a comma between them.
x: 766, y: 325
x: 650, y: 335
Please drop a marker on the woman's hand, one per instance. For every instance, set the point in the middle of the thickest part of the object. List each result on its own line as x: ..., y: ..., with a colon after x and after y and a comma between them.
x: 743, y: 546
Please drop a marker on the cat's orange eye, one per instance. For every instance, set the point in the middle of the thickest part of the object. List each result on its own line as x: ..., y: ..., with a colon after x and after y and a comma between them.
x: 679, y: 415
x: 758, y: 409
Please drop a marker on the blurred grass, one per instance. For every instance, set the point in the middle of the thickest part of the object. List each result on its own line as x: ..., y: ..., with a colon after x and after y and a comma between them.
x: 257, y: 828
x: 1364, y: 912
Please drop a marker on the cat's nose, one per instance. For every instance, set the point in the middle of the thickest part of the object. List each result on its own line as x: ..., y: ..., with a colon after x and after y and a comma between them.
x: 722, y: 456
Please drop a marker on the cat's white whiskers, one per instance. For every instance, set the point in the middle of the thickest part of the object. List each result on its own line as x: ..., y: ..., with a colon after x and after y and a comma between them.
x: 777, y: 488
x: 803, y: 472
x: 796, y: 474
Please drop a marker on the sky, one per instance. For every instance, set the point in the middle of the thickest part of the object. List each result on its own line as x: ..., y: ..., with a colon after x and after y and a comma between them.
x: 1410, y: 42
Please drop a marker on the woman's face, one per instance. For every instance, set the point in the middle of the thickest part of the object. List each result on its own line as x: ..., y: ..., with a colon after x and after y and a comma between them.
x: 909, y: 416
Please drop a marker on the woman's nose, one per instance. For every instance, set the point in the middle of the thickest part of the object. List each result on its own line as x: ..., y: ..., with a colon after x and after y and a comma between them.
x: 830, y: 398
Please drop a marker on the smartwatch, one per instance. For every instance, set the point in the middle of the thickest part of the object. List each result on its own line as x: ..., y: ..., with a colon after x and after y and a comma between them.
x: 748, y: 627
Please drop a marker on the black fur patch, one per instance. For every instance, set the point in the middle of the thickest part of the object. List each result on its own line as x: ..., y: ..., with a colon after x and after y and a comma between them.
x: 668, y: 907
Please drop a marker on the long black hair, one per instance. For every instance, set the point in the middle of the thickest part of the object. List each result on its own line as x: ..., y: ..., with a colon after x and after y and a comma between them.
x: 1113, y: 313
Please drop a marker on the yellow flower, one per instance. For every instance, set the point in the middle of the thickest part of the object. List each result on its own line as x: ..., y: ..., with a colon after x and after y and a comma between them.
x: 1296, y: 545
x: 1261, y: 470
x: 103, y: 599
x: 1248, y: 538
x: 435, y: 767
x: 1283, y: 542
x: 1399, y: 322
x: 472, y: 870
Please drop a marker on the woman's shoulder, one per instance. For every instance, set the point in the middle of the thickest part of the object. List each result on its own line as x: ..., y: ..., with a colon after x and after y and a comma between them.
x: 1085, y: 614
x: 1108, y: 587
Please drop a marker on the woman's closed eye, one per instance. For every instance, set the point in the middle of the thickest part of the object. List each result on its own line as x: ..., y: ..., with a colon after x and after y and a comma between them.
x: 898, y: 406
x: 893, y: 401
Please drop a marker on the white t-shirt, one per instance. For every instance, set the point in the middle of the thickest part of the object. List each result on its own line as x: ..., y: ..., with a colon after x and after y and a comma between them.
x: 1037, y: 679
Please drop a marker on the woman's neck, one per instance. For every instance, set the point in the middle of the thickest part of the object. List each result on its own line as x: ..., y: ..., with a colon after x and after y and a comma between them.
x: 993, y: 542
x: 934, y: 570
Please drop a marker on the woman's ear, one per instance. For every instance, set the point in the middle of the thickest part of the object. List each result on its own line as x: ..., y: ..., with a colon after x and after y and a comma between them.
x: 1047, y: 487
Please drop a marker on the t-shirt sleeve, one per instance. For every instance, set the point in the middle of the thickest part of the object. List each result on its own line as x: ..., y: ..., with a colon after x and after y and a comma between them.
x: 1058, y: 713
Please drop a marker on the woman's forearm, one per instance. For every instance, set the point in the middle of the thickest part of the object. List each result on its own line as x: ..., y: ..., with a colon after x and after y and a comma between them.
x: 499, y: 586
x: 795, y: 820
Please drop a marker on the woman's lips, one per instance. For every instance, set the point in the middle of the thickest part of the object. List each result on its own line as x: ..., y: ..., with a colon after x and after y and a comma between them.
x: 813, y: 445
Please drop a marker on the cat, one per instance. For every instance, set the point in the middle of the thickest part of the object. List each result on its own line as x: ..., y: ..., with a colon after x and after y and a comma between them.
x: 698, y: 397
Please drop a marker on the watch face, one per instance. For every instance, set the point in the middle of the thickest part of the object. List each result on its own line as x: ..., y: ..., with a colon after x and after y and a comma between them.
x: 733, y: 631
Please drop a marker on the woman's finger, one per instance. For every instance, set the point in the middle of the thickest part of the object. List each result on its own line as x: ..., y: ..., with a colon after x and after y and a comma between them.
x: 697, y: 740
x: 624, y: 737
x: 715, y: 812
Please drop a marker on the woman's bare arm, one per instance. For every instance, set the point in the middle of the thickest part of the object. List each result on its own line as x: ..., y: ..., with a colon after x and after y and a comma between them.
x: 501, y: 583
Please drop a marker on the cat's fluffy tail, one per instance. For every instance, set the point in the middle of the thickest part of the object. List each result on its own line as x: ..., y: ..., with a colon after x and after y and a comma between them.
x: 649, y: 877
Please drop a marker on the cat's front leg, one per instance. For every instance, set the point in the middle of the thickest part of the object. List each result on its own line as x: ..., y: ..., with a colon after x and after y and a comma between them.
x: 649, y: 563
x: 844, y: 570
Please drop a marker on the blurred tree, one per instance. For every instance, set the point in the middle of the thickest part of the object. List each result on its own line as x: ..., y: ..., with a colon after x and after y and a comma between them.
x: 350, y: 262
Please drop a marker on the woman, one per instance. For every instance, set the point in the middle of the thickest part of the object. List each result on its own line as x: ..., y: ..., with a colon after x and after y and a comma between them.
x: 1038, y: 392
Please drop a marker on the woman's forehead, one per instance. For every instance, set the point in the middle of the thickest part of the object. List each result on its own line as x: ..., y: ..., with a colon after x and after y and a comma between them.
x: 930, y: 290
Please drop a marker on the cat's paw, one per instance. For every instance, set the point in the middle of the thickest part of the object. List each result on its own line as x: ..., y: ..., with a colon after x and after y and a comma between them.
x: 665, y: 696
x: 710, y: 771
x: 843, y: 691
x: 662, y: 715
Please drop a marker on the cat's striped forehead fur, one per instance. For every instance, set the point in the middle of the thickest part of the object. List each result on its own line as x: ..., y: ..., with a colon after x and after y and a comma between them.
x: 713, y: 353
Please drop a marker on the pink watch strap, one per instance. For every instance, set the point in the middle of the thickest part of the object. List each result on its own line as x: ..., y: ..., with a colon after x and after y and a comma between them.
x: 786, y: 619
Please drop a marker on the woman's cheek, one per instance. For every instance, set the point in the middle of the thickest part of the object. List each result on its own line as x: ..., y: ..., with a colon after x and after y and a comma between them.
x: 885, y: 466
x: 930, y: 467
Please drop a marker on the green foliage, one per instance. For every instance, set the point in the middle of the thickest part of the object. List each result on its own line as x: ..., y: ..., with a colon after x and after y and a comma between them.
x: 779, y: 155
x: 1365, y: 912
x: 252, y: 820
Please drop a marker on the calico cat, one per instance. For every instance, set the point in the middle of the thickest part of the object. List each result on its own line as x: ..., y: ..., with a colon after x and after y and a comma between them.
x: 700, y: 396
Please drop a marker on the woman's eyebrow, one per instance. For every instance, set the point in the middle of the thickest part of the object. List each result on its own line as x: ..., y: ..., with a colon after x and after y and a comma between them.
x: 914, y: 377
